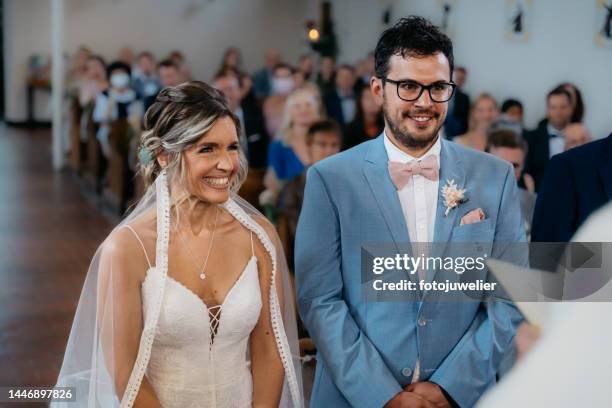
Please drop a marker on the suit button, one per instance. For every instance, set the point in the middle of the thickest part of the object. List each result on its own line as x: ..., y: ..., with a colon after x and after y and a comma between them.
x: 422, y: 322
x: 406, y: 372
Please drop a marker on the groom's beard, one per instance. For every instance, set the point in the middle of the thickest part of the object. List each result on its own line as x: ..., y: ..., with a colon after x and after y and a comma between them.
x: 404, y: 136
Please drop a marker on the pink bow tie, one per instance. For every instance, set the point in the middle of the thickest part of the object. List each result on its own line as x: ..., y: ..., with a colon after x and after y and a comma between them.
x: 401, y: 173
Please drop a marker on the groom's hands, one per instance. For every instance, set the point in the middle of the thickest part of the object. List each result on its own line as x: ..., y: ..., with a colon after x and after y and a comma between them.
x: 430, y: 392
x: 407, y: 399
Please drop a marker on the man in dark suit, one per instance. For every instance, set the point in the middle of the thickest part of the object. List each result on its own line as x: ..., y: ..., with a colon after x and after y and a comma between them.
x: 577, y: 183
x: 253, y: 138
x: 341, y: 102
x: 459, y: 107
x: 548, y: 139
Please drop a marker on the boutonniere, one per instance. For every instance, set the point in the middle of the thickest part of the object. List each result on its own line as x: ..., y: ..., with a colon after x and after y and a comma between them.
x: 453, y: 196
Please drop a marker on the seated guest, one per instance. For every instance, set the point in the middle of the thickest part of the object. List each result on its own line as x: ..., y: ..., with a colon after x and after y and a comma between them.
x: 323, y: 139
x: 146, y: 84
x: 126, y: 55
x: 306, y: 66
x: 272, y: 108
x: 484, y: 112
x: 95, y: 80
x: 576, y: 100
x: 282, y: 80
x: 288, y: 156
x: 183, y: 69
x: 548, y: 139
x: 368, y: 122
x: 262, y: 81
x: 118, y: 102
x: 511, y: 117
x: 169, y: 74
x: 576, y: 183
x: 509, y: 146
x: 232, y: 59
x: 77, y: 71
x: 340, y: 103
x: 456, y: 122
x: 253, y: 136
x: 326, y: 78
x: 576, y: 134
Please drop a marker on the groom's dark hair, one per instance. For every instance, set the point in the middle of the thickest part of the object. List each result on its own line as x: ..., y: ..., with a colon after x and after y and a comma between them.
x: 411, y: 36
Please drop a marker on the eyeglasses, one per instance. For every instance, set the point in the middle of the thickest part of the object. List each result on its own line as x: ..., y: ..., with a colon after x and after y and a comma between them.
x: 410, y: 90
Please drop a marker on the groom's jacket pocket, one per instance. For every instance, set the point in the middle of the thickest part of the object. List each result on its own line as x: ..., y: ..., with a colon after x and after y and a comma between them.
x: 478, y: 231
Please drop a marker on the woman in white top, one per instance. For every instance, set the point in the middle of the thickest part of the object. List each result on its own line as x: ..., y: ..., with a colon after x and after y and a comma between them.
x: 185, y: 303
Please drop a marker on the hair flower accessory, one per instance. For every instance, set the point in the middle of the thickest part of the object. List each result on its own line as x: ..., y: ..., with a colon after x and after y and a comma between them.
x: 145, y: 156
x: 453, y: 196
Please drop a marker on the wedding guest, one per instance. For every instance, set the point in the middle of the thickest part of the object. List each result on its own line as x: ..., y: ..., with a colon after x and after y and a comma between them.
x: 324, y: 139
x: 484, y: 112
x: 327, y: 73
x: 509, y: 146
x: 282, y: 80
x: 273, y: 107
x: 576, y: 134
x: 548, y: 139
x: 77, y: 71
x: 459, y: 106
x: 118, y: 102
x: 368, y: 121
x: 511, y: 117
x: 232, y: 58
x: 288, y: 156
x: 168, y: 73
x: 576, y: 183
x: 262, y: 81
x: 126, y: 55
x: 576, y: 100
x: 253, y: 136
x: 95, y: 80
x: 306, y: 66
x: 183, y: 69
x: 146, y: 84
x: 340, y: 103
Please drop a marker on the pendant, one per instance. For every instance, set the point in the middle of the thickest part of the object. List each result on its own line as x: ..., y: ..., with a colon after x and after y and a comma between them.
x: 202, y: 276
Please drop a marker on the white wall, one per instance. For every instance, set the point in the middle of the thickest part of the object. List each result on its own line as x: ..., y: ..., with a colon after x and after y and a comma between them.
x: 155, y: 25
x: 561, y: 49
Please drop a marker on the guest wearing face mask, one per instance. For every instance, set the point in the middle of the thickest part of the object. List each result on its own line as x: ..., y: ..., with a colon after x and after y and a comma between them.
x: 120, y: 101
x: 282, y: 80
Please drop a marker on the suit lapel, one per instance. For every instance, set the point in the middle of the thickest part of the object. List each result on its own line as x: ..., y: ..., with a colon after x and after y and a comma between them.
x: 377, y: 175
x: 451, y: 168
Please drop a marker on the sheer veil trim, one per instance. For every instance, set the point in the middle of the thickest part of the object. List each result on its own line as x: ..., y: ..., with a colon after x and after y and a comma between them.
x: 161, y: 271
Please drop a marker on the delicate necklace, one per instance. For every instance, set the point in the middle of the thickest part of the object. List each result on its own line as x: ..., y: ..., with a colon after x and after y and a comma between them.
x: 212, y: 238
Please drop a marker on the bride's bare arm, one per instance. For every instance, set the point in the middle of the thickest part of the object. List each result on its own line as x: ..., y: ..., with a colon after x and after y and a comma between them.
x: 120, y: 318
x: 266, y: 364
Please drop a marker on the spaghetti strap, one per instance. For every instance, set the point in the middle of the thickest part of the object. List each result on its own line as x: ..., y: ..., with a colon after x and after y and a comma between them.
x: 141, y: 244
x: 252, y: 249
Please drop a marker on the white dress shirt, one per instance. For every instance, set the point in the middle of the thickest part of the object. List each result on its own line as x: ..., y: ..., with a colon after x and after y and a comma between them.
x: 556, y: 144
x: 419, y: 200
x: 419, y: 197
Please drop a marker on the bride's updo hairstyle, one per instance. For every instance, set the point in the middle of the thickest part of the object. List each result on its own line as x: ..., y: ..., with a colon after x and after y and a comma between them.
x: 178, y: 118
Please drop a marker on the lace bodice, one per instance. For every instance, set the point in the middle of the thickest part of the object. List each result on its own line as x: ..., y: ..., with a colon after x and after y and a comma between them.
x: 191, y: 365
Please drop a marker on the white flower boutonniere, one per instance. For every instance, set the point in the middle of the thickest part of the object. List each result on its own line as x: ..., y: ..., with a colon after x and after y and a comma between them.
x: 453, y: 196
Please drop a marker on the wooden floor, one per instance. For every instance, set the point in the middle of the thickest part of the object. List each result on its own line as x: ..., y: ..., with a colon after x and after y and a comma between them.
x: 48, y: 234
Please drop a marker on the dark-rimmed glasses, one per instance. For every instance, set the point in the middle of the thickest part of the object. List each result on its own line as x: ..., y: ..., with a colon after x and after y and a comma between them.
x: 409, y: 90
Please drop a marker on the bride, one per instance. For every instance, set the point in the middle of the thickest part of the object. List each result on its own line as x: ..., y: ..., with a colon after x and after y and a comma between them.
x: 187, y: 301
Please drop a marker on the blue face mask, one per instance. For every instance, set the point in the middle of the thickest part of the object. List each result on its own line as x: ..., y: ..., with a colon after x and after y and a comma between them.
x: 120, y: 80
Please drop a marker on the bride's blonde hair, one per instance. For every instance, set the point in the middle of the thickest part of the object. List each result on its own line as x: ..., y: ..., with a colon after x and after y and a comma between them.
x: 180, y: 116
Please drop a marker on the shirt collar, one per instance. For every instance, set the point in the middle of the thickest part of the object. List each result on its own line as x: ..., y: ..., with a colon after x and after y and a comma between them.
x: 395, y: 154
x: 553, y: 131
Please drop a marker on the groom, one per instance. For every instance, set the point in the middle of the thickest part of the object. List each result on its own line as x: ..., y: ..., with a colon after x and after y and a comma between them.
x: 388, y: 190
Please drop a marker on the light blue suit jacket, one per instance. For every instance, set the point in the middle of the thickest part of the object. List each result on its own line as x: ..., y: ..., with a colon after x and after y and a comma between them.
x: 367, y: 351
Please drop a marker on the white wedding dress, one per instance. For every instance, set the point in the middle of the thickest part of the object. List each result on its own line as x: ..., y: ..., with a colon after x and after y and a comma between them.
x: 199, y: 357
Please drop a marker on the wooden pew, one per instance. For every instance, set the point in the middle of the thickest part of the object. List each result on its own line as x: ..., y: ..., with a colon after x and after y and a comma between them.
x: 120, y: 179
x: 78, y: 149
x: 95, y: 159
x: 253, y: 186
